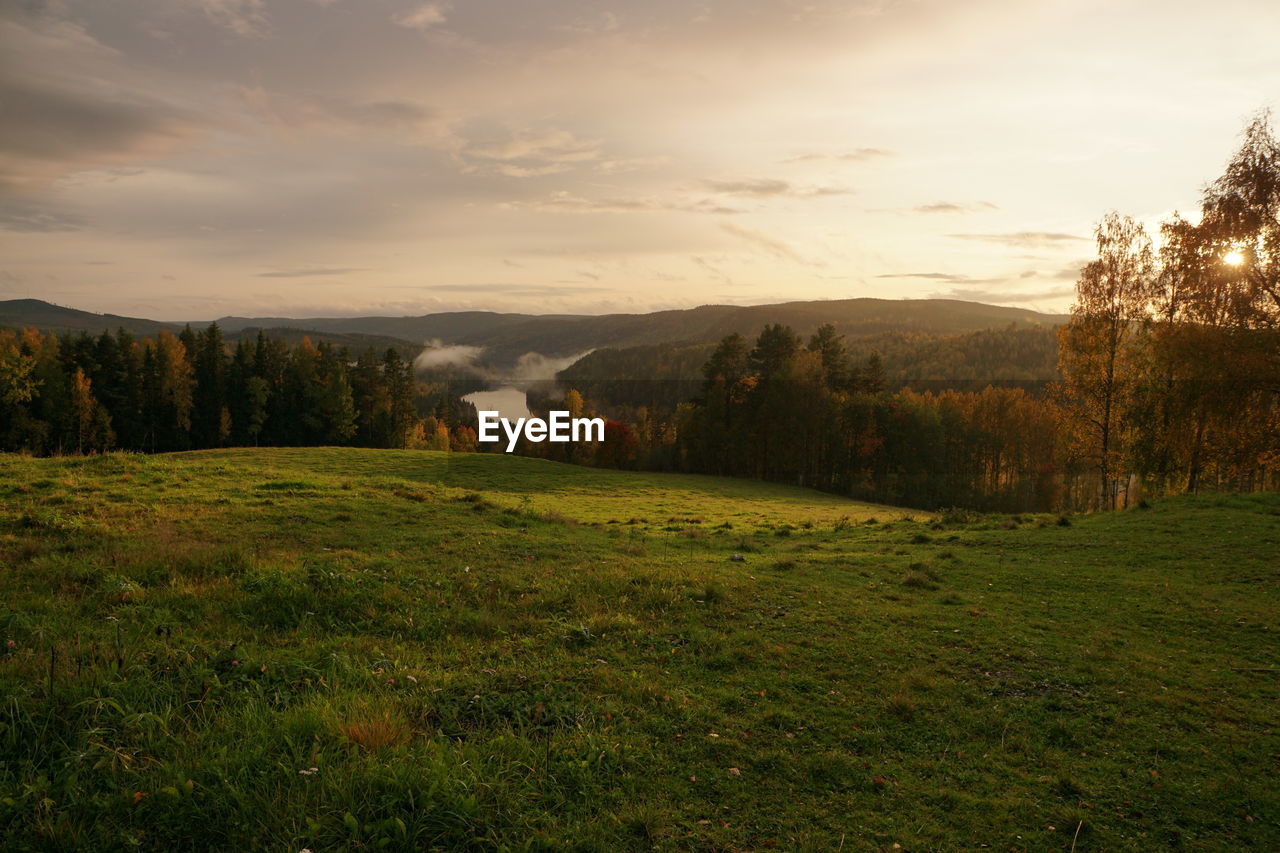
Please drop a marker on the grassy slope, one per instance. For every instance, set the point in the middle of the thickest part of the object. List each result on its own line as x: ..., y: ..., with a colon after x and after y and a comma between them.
x: 464, y: 671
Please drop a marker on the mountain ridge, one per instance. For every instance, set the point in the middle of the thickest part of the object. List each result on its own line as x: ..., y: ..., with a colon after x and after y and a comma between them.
x: 506, y: 336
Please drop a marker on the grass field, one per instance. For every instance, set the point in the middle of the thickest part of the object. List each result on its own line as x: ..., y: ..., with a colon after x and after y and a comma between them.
x: 338, y: 649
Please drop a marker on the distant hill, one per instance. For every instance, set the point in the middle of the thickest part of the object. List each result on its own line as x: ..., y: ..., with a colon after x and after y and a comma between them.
x: 356, y: 342
x: 851, y: 318
x: 448, y: 327
x: 505, y: 337
x: 35, y: 313
x: 20, y: 313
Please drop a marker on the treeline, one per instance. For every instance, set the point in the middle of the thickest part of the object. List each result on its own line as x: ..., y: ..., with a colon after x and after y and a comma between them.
x: 84, y: 394
x: 808, y: 413
x: 814, y: 413
x: 645, y: 386
x: 655, y: 379
x: 661, y: 376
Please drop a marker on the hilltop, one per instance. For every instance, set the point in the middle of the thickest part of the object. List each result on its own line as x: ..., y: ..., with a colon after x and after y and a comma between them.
x: 360, y: 649
x: 38, y: 314
x: 47, y: 317
x: 505, y: 337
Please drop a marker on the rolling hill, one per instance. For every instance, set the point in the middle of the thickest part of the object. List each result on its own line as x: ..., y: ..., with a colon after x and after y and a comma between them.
x: 35, y: 313
x: 38, y: 314
x: 505, y: 337
x: 344, y: 649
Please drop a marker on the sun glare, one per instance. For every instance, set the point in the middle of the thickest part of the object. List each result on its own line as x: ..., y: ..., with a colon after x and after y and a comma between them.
x: 1234, y: 258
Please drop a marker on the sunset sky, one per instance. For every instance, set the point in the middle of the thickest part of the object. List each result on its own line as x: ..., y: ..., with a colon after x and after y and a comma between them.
x: 186, y: 159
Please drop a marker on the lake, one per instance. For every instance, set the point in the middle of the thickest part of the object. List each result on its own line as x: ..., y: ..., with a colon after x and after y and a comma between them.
x: 507, y: 402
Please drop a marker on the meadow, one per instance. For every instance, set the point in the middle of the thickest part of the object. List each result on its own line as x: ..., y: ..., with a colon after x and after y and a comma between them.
x: 342, y: 649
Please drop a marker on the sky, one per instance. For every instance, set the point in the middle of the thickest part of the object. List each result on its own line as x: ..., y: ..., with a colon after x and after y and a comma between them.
x: 190, y: 159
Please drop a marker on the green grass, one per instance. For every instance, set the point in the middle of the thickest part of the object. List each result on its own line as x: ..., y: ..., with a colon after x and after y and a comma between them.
x: 340, y: 649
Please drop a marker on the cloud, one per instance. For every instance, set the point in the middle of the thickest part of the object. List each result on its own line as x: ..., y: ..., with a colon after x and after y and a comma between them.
x: 1025, y: 239
x: 243, y: 17
x: 766, y: 187
x: 437, y: 354
x: 857, y: 155
x: 423, y: 17
x: 531, y: 153
x: 1009, y: 289
x: 1000, y: 296
x: 330, y: 112
x: 559, y: 145
x: 769, y: 244
x: 19, y: 216
x: 50, y: 125
x: 605, y: 22
x: 512, y: 170
x: 711, y: 269
x: 622, y: 165
x: 763, y: 186
x: 1069, y: 273
x: 526, y: 369
x: 307, y: 272
x: 955, y: 207
x: 706, y: 206
x: 539, y: 290
x: 67, y: 105
x: 536, y: 367
x: 936, y: 276
x: 563, y: 201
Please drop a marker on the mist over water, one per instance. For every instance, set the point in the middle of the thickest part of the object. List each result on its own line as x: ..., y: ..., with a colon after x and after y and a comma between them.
x: 507, y: 385
x: 535, y: 367
x: 439, y: 354
x: 507, y: 401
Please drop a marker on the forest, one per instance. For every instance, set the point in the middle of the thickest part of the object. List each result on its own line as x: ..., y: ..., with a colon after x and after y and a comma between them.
x: 1166, y: 378
x: 86, y: 394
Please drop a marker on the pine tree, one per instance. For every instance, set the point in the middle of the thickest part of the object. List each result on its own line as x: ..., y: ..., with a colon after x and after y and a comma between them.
x: 209, y: 418
x: 400, y: 418
x: 127, y: 418
x: 368, y: 395
x: 835, y: 361
x: 331, y: 397
x: 727, y: 382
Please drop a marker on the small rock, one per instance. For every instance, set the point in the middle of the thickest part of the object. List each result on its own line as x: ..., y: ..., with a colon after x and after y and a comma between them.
x: 737, y: 558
